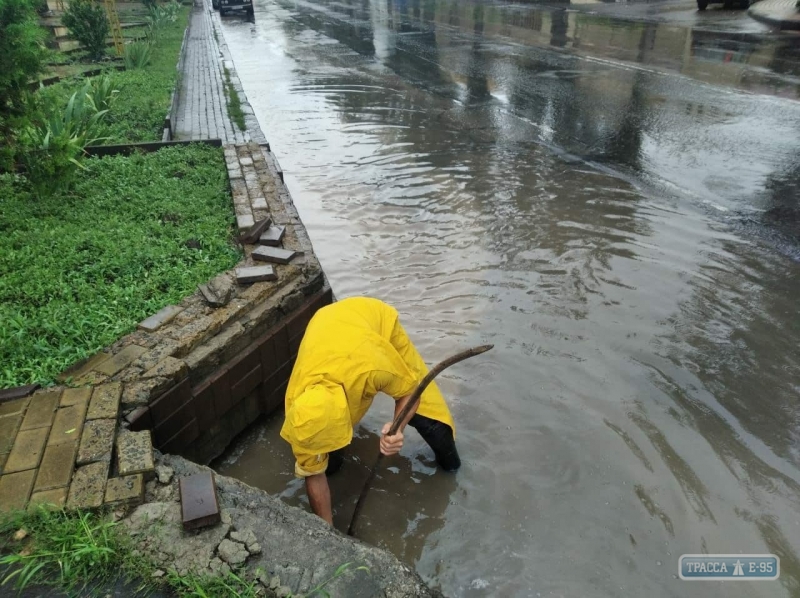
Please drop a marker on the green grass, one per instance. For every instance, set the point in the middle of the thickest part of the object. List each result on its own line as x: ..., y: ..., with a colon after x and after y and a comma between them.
x: 65, y: 550
x: 78, y: 551
x: 81, y: 270
x: 234, y: 103
x: 145, y: 94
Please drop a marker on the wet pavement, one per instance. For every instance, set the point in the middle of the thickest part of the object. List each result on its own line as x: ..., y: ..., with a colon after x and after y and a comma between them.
x: 608, y: 198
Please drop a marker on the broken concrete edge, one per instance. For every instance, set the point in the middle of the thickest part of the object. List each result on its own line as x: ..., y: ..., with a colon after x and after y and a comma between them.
x: 284, y: 548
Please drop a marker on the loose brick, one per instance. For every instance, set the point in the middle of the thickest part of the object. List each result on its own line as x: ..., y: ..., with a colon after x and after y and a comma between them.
x: 127, y: 490
x: 15, y: 406
x: 255, y: 274
x: 161, y: 317
x: 15, y: 488
x: 114, y: 364
x: 97, y: 441
x: 27, y: 450
x: 9, y: 425
x: 244, y: 221
x: 68, y: 424
x: 76, y: 396
x: 273, y: 236
x: 135, y: 453
x: 41, y: 410
x: 88, y: 487
x: 55, y: 498
x: 57, y: 465
x: 105, y: 401
x: 199, y: 505
x: 274, y: 254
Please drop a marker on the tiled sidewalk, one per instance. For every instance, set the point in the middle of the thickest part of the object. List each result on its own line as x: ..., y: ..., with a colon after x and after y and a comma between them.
x: 782, y: 14
x: 202, y: 110
x: 47, y: 436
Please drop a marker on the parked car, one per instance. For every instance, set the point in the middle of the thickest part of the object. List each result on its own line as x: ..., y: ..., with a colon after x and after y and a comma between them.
x: 226, y: 6
x: 703, y: 4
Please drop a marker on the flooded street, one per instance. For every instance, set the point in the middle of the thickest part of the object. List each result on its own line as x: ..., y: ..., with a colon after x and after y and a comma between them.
x: 613, y: 204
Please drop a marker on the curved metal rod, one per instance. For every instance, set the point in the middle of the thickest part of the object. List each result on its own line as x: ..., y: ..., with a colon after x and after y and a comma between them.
x: 412, y: 402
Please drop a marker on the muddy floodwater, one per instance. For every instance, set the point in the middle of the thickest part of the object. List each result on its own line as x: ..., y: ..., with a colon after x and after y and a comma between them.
x: 613, y: 204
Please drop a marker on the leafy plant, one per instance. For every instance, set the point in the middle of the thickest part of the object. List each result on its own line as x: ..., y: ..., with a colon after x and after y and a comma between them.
x: 21, y: 60
x: 137, y: 55
x: 102, y: 93
x: 54, y: 146
x: 87, y: 22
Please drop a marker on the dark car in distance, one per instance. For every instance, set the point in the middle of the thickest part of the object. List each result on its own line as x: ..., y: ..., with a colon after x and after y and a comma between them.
x: 703, y: 4
x: 226, y: 6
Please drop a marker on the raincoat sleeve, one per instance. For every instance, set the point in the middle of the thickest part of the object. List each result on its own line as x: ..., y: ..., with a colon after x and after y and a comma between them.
x: 308, y: 465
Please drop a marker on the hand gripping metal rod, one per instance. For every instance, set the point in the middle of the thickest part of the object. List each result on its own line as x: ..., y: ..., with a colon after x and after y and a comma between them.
x: 412, y: 402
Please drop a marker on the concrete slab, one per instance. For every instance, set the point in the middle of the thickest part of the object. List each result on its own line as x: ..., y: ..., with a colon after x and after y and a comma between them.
x: 27, y: 450
x: 56, y: 468
x: 76, y: 396
x: 105, y: 401
x: 9, y: 425
x: 68, y: 424
x: 121, y: 360
x: 97, y: 441
x: 15, y: 488
x: 56, y: 497
x: 127, y: 490
x: 15, y: 406
x: 88, y: 487
x: 135, y: 453
x: 41, y: 410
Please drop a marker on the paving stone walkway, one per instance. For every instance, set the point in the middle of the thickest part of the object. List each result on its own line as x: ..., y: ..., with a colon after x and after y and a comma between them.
x: 202, y: 109
x: 782, y: 14
x: 56, y: 448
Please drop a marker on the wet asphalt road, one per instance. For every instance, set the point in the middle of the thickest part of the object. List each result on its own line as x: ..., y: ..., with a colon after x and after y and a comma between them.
x: 608, y: 194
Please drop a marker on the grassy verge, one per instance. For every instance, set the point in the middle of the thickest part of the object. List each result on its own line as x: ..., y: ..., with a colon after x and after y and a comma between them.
x: 144, y: 98
x: 81, y: 270
x: 234, y: 103
x: 82, y: 552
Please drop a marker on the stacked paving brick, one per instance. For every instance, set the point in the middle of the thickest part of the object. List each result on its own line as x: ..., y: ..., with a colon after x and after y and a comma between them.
x: 58, y: 446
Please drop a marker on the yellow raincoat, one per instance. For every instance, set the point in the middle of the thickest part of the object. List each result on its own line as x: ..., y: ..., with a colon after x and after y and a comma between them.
x: 351, y: 350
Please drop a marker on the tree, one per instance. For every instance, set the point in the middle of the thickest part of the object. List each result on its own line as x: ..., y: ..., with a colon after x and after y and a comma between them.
x: 21, y: 54
x: 87, y: 22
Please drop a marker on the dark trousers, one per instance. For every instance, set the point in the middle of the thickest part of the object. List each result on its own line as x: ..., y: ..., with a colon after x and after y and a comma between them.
x: 439, y: 437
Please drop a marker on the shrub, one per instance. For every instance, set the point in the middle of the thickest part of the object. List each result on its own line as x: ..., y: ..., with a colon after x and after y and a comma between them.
x: 54, y: 146
x: 87, y: 23
x: 137, y: 55
x: 21, y: 54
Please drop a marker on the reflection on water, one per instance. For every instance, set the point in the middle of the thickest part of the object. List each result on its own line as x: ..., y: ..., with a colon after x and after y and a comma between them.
x: 594, y: 198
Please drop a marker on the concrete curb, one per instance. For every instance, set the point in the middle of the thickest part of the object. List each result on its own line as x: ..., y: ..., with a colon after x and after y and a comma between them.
x: 252, y: 128
x: 781, y: 15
